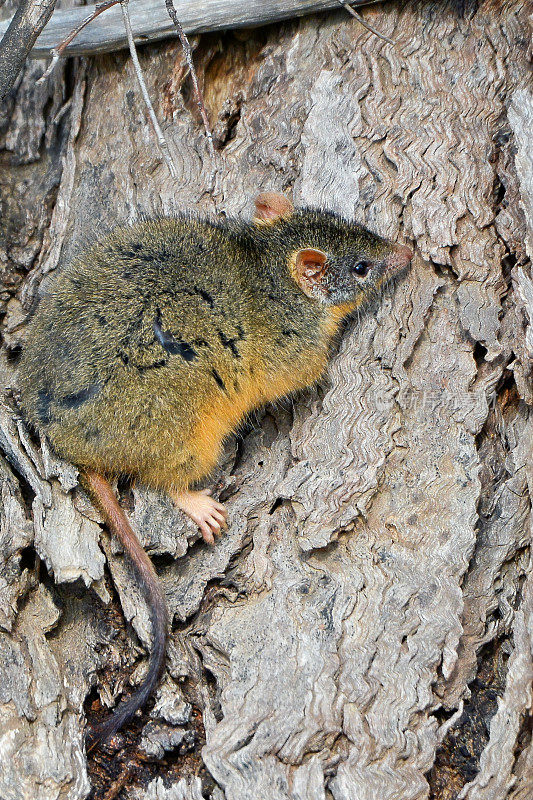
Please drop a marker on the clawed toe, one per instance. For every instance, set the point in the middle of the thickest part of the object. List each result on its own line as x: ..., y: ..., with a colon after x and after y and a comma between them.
x: 207, y: 513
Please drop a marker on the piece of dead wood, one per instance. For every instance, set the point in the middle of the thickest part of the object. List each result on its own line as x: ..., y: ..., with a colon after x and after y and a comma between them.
x: 150, y: 21
x: 20, y: 35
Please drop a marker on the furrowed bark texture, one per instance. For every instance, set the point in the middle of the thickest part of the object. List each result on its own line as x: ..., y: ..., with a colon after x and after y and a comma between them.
x: 364, y: 629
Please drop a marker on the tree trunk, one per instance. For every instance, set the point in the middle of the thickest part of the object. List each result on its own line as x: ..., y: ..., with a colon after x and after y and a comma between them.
x: 364, y: 629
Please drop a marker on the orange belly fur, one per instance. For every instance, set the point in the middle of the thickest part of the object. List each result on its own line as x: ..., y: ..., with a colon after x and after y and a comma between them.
x: 224, y: 411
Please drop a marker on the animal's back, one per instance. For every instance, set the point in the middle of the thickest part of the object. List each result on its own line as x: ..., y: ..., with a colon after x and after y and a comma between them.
x: 124, y: 343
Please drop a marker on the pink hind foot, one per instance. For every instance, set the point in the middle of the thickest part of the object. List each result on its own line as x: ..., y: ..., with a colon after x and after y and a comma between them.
x: 207, y: 513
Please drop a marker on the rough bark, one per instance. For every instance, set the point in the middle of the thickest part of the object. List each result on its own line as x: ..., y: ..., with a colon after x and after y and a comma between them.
x: 365, y: 627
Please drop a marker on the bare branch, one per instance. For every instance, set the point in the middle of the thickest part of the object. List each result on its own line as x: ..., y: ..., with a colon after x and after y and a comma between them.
x: 57, y: 52
x: 366, y: 24
x: 188, y: 55
x: 18, y: 40
x: 163, y: 144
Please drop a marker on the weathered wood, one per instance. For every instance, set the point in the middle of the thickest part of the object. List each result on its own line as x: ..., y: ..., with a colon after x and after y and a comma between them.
x: 364, y: 628
x: 150, y: 21
x: 28, y: 21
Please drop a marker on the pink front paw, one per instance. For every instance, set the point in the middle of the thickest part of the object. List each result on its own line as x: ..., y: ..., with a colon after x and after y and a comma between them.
x: 207, y: 513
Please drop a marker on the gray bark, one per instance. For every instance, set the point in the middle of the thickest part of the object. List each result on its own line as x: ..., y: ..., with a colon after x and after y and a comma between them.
x: 365, y: 627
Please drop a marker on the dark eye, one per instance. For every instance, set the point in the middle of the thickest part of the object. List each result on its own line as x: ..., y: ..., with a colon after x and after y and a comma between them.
x: 361, y: 268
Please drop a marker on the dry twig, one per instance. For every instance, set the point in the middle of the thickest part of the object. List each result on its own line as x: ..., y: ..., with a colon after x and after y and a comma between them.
x: 99, y: 9
x: 120, y: 782
x: 188, y: 56
x: 30, y: 18
x: 366, y: 24
x: 163, y: 144
x: 57, y: 52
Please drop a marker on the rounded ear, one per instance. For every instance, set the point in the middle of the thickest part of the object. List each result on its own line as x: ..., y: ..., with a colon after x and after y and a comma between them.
x: 271, y: 206
x: 309, y: 268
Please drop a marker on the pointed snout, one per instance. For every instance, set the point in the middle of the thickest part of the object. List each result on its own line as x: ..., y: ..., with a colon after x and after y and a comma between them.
x: 400, y: 258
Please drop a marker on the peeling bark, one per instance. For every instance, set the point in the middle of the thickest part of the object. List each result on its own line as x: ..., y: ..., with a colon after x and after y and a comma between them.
x: 364, y: 629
